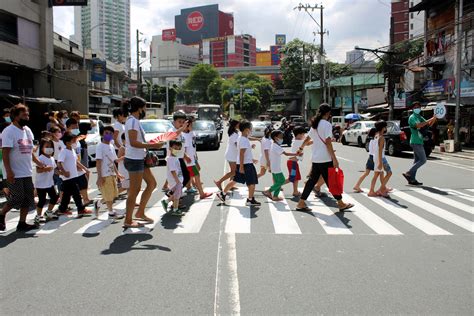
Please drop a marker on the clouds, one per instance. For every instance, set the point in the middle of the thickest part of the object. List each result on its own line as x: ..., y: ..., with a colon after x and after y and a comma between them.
x: 350, y: 22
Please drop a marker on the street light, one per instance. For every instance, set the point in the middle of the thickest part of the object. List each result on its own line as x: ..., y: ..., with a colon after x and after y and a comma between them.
x: 83, y: 44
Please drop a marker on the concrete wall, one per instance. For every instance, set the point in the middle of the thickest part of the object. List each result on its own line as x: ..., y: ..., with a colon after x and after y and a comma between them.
x: 74, y: 88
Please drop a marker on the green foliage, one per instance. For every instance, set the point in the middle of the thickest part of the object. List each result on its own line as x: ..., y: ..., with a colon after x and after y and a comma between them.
x: 405, y: 51
x: 195, y: 87
x: 214, y: 91
x: 158, y: 93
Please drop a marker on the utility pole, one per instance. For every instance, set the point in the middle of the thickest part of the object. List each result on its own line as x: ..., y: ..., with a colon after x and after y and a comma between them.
x: 167, y: 98
x: 352, y: 95
x: 139, y: 88
x: 457, y: 114
x: 241, y: 96
x: 303, y: 103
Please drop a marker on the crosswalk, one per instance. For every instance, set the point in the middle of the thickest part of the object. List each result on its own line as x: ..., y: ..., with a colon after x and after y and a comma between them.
x: 436, y: 212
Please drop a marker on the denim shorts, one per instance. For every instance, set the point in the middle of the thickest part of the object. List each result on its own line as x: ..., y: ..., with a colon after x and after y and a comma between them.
x: 370, y: 163
x: 386, y: 165
x: 134, y: 165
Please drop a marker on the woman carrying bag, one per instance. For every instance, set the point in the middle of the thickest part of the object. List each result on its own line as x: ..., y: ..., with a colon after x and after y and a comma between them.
x: 323, y: 157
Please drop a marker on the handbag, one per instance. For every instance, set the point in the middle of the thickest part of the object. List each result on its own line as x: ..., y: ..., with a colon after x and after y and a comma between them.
x: 335, y: 181
x: 151, y: 157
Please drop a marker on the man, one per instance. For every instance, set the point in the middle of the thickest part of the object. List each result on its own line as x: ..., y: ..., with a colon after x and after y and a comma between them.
x: 416, y: 123
x: 17, y: 148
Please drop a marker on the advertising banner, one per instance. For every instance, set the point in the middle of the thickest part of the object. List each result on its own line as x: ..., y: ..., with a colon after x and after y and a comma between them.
x: 168, y: 35
x: 99, y: 70
x: 280, y: 39
x: 399, y: 99
x: 438, y: 87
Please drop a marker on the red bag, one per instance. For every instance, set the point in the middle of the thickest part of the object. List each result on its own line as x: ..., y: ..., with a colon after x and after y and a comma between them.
x: 335, y: 181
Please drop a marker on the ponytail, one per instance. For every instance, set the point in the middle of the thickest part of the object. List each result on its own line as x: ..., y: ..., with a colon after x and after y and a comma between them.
x: 133, y: 105
x: 324, y: 108
x: 232, y: 127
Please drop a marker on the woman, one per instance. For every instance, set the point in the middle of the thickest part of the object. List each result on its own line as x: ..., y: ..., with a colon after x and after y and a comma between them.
x: 323, y: 156
x: 230, y: 152
x: 135, y: 152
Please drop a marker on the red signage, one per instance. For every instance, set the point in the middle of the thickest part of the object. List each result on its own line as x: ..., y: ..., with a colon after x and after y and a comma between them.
x: 195, y: 21
x: 168, y: 35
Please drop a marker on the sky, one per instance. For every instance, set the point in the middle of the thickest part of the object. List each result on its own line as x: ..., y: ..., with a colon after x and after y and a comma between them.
x: 364, y: 23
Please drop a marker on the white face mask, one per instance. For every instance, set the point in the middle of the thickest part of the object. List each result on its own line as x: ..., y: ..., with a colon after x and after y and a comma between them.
x: 48, y: 151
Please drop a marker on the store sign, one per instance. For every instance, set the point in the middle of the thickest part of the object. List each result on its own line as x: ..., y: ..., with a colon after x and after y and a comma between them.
x: 99, y: 70
x: 195, y: 21
x: 168, y: 35
x: 58, y: 3
x: 467, y: 88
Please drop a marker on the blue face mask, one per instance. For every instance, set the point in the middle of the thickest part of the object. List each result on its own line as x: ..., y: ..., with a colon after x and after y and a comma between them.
x: 280, y: 141
x: 8, y: 119
x: 417, y: 111
x: 75, y: 131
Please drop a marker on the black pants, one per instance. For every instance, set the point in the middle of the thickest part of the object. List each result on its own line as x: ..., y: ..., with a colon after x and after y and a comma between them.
x: 317, y: 169
x: 51, y: 192
x: 184, y: 170
x: 70, y: 188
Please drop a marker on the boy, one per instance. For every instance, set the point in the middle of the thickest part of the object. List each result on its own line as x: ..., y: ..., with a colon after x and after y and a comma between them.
x: 294, y: 175
x: 174, y: 178
x: 107, y: 172
x: 275, y: 165
x: 193, y: 169
x: 68, y: 166
x: 245, y: 172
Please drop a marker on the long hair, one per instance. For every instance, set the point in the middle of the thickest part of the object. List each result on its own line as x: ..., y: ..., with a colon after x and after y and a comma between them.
x: 324, y: 108
x: 232, y: 127
x: 133, y: 105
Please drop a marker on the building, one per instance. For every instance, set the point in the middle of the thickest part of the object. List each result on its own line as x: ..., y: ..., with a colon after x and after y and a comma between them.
x: 400, y: 21
x: 104, y: 25
x: 263, y: 58
x: 417, y: 21
x: 354, y: 57
x: 171, y: 54
x: 204, y: 22
x: 230, y: 51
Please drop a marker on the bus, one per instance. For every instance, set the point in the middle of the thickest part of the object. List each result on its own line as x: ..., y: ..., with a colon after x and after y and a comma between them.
x: 211, y: 112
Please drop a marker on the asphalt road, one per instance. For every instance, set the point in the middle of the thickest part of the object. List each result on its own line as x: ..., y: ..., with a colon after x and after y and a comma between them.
x: 412, y: 254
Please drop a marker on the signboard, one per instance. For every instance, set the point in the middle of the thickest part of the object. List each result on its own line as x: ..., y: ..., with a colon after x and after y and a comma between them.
x: 467, y: 88
x: 58, y: 3
x: 249, y: 91
x: 280, y: 39
x: 440, y: 110
x: 399, y: 99
x: 438, y: 87
x: 195, y: 21
x: 168, y: 35
x: 99, y: 70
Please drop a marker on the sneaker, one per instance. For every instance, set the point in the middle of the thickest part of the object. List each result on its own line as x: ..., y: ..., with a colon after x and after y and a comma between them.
x: 51, y: 216
x: 37, y: 220
x: 85, y: 212
x: 96, y: 208
x: 253, y: 202
x: 164, y: 203
x: 115, y: 216
x: 191, y: 191
x: 415, y: 183
x: 3, y: 226
x: 221, y: 196
x: 177, y: 212
x: 24, y: 227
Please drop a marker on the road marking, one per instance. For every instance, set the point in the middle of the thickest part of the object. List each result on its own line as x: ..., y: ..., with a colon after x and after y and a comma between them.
x: 326, y: 217
x: 195, y: 217
x: 409, y: 217
x: 445, y: 200
x: 470, y: 190
x: 459, y: 194
x: 238, y: 217
x: 453, y: 165
x: 155, y: 212
x: 345, y: 159
x: 51, y: 226
x: 283, y: 219
x: 12, y: 223
x: 433, y: 209
x: 375, y: 222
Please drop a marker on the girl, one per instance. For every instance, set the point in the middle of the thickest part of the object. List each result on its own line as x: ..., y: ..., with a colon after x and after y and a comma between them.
x: 369, y: 166
x: 44, y: 182
x: 230, y: 153
x: 265, y: 145
x: 380, y: 162
x: 125, y: 182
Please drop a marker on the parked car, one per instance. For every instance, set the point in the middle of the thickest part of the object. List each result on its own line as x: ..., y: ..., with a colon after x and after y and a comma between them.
x: 93, y: 139
x: 397, y: 140
x: 207, y: 135
x: 154, y: 128
x: 299, y: 121
x: 258, y: 128
x: 357, y: 133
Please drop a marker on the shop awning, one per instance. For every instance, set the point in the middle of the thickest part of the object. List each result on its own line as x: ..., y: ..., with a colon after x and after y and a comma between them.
x: 42, y: 100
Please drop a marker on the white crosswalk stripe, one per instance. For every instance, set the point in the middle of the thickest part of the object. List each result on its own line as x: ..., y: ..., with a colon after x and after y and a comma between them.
x: 238, y: 216
x: 156, y: 212
x: 331, y: 224
x: 470, y: 190
x: 447, y: 201
x: 97, y: 225
x: 283, y: 219
x: 457, y: 193
x: 195, y: 217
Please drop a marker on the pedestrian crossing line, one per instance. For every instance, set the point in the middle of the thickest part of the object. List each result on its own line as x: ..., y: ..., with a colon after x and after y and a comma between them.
x: 459, y: 194
x: 155, y: 212
x: 409, y: 217
x: 192, y: 222
x: 331, y: 224
x: 470, y: 190
x: 454, y: 165
x: 238, y: 216
x: 440, y: 198
x: 97, y: 225
x: 51, y: 226
x: 375, y: 222
x: 12, y: 223
x: 433, y: 209
x: 284, y: 221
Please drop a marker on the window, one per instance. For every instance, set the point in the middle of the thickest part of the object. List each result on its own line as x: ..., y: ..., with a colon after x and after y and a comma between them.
x: 411, y: 15
x: 8, y: 28
x: 405, y: 25
x: 411, y: 5
x: 411, y: 26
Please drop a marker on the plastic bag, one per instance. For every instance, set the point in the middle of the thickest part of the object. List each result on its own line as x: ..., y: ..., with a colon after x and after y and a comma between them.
x: 335, y: 181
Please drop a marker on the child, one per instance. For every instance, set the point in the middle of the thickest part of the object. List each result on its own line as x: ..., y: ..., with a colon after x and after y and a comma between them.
x: 369, y: 166
x: 174, y: 177
x: 68, y: 166
x: 380, y: 162
x: 246, y: 172
x: 190, y: 150
x: 265, y: 145
x: 107, y: 172
x: 44, y: 182
x: 125, y: 181
x: 275, y: 165
x: 294, y: 175
x: 56, y: 136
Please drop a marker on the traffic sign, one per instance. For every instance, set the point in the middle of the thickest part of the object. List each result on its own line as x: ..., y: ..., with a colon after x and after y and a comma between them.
x: 440, y: 110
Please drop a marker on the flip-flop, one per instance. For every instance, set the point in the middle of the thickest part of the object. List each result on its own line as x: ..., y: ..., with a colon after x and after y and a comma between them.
x: 303, y: 209
x: 358, y: 191
x: 145, y: 219
x: 268, y: 195
x: 133, y: 225
x: 348, y: 206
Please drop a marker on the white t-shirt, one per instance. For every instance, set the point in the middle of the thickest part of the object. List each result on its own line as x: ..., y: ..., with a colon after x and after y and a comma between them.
x: 244, y: 143
x: 320, y: 151
x: 172, y: 164
x: 58, y: 146
x: 21, y: 143
x: 265, y: 144
x: 68, y: 158
x: 180, y: 138
x: 44, y: 180
x: 231, y: 150
x: 372, y: 145
x: 190, y: 147
x: 295, y: 146
x: 80, y: 172
x: 106, y: 153
x: 121, y: 129
x: 275, y: 157
x: 131, y: 152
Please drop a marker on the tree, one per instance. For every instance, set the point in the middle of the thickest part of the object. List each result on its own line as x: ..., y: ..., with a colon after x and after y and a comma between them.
x: 404, y: 51
x: 214, y: 91
x: 195, y: 87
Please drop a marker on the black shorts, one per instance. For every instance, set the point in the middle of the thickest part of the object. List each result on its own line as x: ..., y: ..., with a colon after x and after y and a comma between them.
x: 82, y: 182
x: 21, y: 193
x: 248, y: 177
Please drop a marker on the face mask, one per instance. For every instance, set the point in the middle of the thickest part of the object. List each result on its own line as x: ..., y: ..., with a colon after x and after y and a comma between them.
x: 417, y: 111
x: 175, y: 152
x: 108, y: 137
x: 75, y: 131
x: 22, y: 122
x: 279, y: 141
x: 48, y: 151
x: 141, y: 116
x: 8, y: 119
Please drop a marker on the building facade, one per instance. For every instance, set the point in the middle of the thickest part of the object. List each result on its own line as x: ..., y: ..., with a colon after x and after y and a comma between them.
x: 417, y: 21
x: 355, y: 57
x: 104, y: 25
x: 400, y: 21
x: 230, y: 51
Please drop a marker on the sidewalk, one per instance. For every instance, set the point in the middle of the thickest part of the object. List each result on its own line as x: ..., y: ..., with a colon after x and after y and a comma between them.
x: 466, y: 153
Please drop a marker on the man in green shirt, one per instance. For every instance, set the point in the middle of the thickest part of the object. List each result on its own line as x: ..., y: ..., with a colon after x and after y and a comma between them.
x: 416, y: 123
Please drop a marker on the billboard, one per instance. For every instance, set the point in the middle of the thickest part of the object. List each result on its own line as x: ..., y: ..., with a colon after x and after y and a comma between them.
x: 99, y: 70
x: 58, y: 3
x: 226, y: 24
x: 168, y: 35
x: 280, y: 39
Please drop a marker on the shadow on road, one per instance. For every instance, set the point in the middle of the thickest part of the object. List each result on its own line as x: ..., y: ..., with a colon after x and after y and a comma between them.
x: 14, y: 236
x: 125, y: 243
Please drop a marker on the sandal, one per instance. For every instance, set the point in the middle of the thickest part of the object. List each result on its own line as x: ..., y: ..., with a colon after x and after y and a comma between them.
x: 320, y: 194
x: 358, y: 190
x: 145, y: 219
x: 133, y: 225
x: 348, y: 206
x: 267, y: 194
